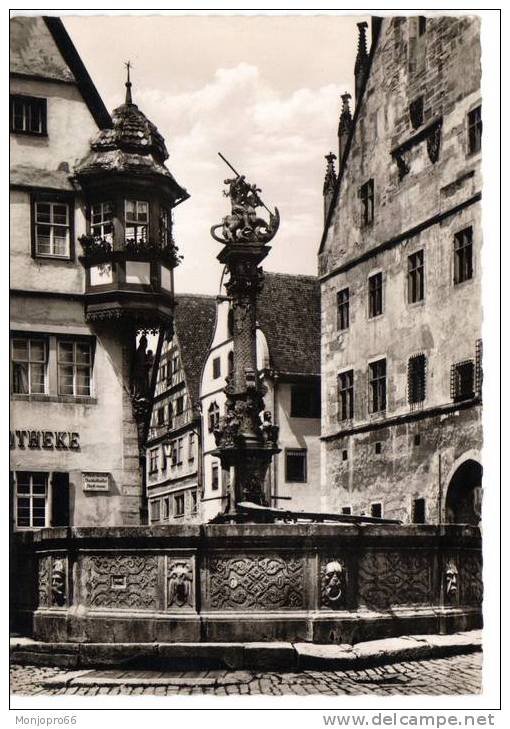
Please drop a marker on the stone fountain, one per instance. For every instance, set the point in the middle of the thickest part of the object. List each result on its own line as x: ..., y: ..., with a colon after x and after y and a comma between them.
x: 343, y: 580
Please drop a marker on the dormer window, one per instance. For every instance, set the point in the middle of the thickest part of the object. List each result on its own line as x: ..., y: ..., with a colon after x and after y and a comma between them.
x: 137, y: 221
x: 102, y: 221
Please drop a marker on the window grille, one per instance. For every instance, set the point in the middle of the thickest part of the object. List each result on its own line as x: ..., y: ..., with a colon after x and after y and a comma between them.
x: 478, y: 367
x: 295, y: 465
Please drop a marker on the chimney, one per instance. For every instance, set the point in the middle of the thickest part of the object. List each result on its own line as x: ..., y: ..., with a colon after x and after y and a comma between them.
x: 329, y: 183
x: 361, y: 65
x: 344, y: 126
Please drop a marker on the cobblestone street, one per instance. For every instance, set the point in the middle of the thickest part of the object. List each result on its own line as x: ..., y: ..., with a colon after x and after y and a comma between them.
x: 452, y: 675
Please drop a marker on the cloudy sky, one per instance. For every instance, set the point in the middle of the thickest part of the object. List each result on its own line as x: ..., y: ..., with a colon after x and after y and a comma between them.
x: 264, y: 91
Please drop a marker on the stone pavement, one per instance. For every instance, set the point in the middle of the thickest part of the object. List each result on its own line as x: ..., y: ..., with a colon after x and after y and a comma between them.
x: 460, y: 674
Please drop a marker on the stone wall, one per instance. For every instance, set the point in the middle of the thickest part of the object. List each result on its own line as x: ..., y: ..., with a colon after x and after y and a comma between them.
x: 404, y: 470
x: 437, y: 196
x: 313, y: 582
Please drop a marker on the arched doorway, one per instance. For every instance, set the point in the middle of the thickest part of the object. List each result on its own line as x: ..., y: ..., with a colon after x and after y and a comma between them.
x: 464, y: 495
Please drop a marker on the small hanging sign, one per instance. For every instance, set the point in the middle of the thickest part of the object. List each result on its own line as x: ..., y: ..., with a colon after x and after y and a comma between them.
x: 95, y: 481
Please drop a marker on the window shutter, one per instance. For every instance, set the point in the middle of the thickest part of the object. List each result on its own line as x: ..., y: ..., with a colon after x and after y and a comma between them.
x: 60, y: 499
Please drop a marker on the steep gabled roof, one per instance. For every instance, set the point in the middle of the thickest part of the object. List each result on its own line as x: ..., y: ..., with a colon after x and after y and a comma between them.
x: 376, y: 27
x: 194, y: 320
x: 41, y: 48
x: 288, y: 313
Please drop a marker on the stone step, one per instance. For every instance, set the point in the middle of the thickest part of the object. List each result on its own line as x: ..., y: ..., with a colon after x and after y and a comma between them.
x: 183, y: 658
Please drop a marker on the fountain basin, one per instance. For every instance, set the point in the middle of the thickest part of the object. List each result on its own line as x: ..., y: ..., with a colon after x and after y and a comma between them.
x: 324, y: 583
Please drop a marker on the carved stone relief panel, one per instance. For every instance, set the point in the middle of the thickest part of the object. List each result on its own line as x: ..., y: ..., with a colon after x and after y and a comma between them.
x: 180, y: 580
x: 52, y: 581
x: 333, y: 583
x: 256, y: 582
x: 389, y: 579
x: 120, y: 581
x: 44, y: 571
x: 470, y: 578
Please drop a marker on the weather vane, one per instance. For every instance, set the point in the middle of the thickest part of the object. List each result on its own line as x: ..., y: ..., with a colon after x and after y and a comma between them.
x: 128, y: 65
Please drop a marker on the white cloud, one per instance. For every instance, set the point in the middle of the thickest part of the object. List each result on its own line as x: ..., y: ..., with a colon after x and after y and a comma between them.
x: 277, y: 140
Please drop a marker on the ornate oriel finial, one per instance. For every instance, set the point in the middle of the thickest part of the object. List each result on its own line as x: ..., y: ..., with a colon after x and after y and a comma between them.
x: 330, y: 177
x: 129, y: 100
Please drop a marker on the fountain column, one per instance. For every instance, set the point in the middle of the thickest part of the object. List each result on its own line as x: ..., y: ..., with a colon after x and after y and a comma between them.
x: 246, y: 438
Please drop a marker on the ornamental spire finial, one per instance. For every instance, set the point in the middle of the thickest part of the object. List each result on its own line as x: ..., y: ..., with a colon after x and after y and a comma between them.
x: 128, y: 66
x: 330, y: 177
x: 345, y: 114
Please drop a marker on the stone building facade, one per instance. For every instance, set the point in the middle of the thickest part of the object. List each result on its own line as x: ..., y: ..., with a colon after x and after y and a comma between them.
x: 400, y: 273
x: 288, y: 354
x: 92, y: 260
x: 173, y: 462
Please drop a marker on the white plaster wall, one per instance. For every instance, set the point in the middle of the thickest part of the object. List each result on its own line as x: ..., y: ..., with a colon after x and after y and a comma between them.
x: 70, y: 126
